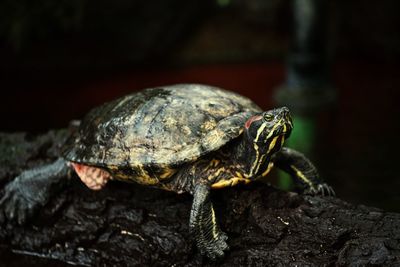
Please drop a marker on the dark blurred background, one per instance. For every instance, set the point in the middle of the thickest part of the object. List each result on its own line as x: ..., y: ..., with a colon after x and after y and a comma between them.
x: 58, y: 59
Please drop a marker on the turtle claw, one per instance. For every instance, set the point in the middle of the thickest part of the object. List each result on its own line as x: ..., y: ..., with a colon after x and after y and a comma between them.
x: 325, y: 190
x: 15, y: 205
x: 223, y: 236
x: 216, y: 248
x: 321, y: 189
x: 31, y: 190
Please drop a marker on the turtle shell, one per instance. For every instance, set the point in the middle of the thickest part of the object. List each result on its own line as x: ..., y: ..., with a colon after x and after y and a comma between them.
x: 159, y: 127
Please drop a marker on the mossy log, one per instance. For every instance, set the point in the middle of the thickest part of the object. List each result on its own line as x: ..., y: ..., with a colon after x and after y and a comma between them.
x: 131, y: 225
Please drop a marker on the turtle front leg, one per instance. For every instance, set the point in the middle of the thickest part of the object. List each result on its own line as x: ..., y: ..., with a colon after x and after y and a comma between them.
x: 210, y: 240
x: 303, y: 172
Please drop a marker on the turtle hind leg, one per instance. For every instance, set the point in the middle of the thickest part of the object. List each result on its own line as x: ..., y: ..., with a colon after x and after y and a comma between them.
x: 303, y: 172
x: 210, y: 240
x: 31, y: 190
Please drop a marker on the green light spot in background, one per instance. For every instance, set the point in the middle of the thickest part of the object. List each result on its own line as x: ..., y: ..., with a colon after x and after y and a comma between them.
x: 285, y: 181
x: 303, y: 134
x: 223, y: 3
x: 301, y: 139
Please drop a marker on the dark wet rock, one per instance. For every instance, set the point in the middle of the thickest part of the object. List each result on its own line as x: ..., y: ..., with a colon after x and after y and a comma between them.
x: 132, y: 225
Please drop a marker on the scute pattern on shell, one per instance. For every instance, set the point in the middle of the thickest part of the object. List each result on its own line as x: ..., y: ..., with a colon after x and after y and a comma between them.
x: 160, y: 127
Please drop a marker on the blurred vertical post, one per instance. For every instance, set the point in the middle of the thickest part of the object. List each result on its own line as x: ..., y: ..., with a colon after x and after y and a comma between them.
x: 308, y: 89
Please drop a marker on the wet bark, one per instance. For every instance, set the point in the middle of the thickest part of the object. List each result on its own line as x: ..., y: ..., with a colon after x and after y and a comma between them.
x: 132, y: 225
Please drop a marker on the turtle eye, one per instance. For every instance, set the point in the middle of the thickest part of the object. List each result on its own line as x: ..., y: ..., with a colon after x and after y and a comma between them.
x: 268, y: 117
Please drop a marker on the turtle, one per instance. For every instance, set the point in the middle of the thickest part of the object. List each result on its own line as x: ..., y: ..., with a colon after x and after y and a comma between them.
x: 183, y: 138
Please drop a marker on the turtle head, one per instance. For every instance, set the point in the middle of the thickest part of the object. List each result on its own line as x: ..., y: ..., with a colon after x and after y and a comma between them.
x: 265, y: 134
x: 264, y: 127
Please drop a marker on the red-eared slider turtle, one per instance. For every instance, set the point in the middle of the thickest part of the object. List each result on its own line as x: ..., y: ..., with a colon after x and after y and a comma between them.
x: 182, y: 138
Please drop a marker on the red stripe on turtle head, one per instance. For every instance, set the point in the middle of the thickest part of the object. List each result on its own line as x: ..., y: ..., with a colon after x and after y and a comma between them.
x: 251, y: 120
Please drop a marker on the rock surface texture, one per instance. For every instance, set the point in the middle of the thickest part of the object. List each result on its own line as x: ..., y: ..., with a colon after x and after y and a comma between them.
x: 131, y: 225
